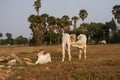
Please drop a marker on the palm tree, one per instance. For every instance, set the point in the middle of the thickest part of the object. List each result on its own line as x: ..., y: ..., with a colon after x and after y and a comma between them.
x: 75, y: 19
x: 83, y: 14
x: 112, y: 25
x: 43, y: 29
x: 65, y: 17
x: 66, y: 23
x: 37, y: 5
x: 35, y: 26
x: 51, y: 22
x: 44, y: 19
x: 1, y: 35
x: 59, y: 30
x: 59, y: 25
x: 116, y: 12
x: 9, y: 36
x: 51, y: 26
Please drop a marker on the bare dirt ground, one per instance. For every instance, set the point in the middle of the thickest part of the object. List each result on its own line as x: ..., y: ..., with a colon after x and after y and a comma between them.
x: 102, y: 63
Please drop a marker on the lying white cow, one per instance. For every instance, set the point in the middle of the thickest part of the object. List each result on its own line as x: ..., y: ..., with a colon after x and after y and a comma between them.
x: 43, y: 58
x: 103, y: 42
x: 80, y: 43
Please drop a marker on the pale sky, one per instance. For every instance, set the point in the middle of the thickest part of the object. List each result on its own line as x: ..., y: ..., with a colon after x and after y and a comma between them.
x: 14, y: 13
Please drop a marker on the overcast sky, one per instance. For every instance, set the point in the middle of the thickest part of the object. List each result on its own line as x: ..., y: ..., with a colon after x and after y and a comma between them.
x: 14, y: 13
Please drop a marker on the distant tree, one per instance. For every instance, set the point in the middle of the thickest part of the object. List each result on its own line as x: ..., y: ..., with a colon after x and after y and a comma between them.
x: 44, y: 18
x: 37, y: 5
x: 106, y: 29
x: 75, y: 19
x: 59, y: 30
x: 65, y: 17
x: 115, y: 37
x: 43, y: 28
x: 1, y: 35
x: 95, y: 31
x: 116, y: 12
x: 51, y: 27
x: 112, y: 25
x: 35, y: 26
x: 66, y: 23
x: 83, y: 14
x: 51, y: 23
x: 21, y: 40
x: 9, y: 37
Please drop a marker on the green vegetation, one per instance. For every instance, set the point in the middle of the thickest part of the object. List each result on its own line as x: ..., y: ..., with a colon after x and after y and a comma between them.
x: 46, y: 28
x: 116, y: 12
x: 20, y: 40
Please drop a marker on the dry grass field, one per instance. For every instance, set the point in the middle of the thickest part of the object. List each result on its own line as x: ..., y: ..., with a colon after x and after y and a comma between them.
x: 102, y: 63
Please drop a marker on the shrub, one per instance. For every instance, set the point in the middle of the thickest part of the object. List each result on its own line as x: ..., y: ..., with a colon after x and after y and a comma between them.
x: 115, y: 38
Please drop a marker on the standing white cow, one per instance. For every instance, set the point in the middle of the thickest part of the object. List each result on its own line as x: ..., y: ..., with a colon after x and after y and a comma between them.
x: 81, y: 45
x: 68, y: 40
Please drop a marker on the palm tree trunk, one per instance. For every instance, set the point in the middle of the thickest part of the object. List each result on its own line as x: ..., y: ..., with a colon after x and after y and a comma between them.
x: 74, y: 25
x: 38, y: 13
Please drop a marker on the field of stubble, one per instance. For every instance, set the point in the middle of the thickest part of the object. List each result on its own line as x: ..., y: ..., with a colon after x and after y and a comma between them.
x: 102, y: 63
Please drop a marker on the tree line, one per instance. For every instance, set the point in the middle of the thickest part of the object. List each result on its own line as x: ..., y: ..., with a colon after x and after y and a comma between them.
x: 49, y: 29
x: 10, y: 41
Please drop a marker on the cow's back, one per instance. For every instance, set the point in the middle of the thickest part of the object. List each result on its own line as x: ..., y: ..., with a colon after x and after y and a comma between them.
x: 66, y: 39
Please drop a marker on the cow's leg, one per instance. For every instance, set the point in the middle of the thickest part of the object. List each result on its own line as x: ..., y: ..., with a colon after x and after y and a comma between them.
x: 63, y: 52
x: 69, y: 54
x: 80, y: 52
x: 84, y: 51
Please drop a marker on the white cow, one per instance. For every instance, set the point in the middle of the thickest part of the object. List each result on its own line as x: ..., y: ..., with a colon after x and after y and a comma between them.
x: 43, y: 58
x: 103, y: 42
x: 81, y: 44
x: 68, y: 40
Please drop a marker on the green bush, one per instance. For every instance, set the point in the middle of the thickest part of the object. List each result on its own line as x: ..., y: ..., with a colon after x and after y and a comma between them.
x: 115, y: 38
x: 21, y: 40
